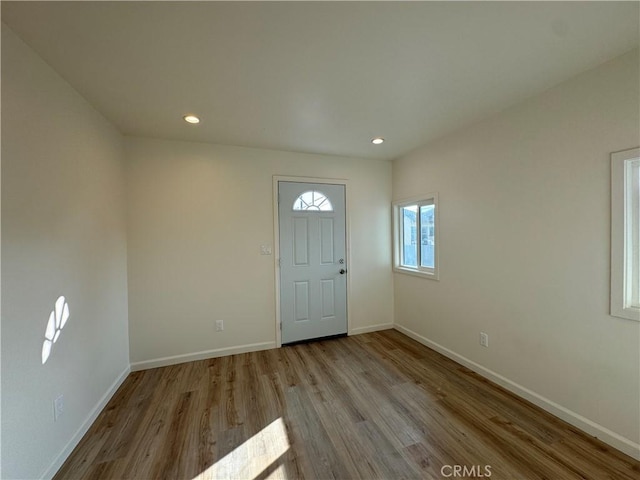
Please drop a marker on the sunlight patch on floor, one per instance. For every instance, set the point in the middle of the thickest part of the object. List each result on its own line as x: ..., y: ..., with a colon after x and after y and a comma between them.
x: 254, y: 458
x: 279, y: 473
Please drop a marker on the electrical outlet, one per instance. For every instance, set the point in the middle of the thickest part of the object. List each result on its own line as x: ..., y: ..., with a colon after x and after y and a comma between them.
x: 265, y: 250
x: 219, y: 325
x: 484, y: 339
x: 58, y: 408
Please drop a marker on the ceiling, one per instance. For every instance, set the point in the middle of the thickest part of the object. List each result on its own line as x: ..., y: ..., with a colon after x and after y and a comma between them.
x: 318, y: 77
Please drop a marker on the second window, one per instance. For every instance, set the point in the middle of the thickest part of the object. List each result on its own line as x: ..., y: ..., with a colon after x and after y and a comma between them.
x: 416, y: 236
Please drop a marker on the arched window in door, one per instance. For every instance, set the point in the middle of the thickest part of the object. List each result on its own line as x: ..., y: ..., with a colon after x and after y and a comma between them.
x: 313, y: 201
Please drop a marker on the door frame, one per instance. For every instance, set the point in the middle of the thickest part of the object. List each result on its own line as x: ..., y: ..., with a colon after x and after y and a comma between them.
x: 276, y: 240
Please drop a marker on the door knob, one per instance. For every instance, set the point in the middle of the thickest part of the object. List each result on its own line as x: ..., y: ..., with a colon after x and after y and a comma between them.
x: 342, y: 271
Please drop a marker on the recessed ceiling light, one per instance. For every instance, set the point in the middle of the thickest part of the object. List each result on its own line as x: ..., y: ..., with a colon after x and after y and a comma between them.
x: 377, y: 140
x: 191, y: 119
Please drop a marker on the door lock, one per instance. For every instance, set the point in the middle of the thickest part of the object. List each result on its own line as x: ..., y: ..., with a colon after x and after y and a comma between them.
x: 342, y: 271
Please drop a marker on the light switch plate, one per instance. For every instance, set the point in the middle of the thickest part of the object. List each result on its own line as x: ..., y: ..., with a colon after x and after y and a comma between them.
x: 265, y: 250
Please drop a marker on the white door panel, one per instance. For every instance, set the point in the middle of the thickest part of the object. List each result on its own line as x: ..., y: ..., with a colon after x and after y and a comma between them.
x: 313, y: 287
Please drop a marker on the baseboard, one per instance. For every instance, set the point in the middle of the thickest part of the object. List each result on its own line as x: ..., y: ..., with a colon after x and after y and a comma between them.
x: 591, y: 428
x: 371, y: 328
x: 191, y: 357
x: 68, y: 448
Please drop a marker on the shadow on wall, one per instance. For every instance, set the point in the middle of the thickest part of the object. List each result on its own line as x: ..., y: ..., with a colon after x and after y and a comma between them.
x: 57, y: 320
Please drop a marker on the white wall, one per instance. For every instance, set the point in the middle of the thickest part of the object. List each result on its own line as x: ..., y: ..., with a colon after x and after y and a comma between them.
x: 524, y: 250
x: 63, y: 233
x: 197, y: 215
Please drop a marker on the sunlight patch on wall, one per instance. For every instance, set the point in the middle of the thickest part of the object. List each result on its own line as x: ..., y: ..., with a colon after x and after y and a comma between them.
x: 254, y: 457
x: 57, y: 320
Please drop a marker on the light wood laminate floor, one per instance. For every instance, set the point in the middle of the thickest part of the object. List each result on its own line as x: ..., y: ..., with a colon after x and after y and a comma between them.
x: 378, y: 405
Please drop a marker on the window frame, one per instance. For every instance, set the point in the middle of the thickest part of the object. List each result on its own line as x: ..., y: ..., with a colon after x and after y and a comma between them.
x: 625, y: 233
x: 398, y: 232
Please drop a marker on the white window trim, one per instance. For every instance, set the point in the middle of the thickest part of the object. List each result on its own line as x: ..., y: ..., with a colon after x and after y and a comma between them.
x: 424, y: 272
x: 624, y: 244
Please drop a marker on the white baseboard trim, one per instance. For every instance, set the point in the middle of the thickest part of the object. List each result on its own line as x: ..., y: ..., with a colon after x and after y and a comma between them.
x: 68, y: 448
x: 191, y: 357
x: 371, y: 328
x: 592, y: 428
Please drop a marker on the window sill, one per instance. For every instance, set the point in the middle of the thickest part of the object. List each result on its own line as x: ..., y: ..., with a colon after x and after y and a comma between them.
x: 630, y: 313
x: 417, y: 273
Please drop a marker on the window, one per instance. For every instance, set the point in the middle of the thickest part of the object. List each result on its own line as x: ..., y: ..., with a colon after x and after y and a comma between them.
x: 625, y: 234
x: 416, y: 236
x: 313, y: 201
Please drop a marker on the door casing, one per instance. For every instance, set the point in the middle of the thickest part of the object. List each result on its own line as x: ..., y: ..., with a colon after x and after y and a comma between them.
x: 276, y: 241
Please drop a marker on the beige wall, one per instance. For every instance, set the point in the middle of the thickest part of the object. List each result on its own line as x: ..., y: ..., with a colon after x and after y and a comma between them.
x: 63, y: 233
x: 197, y: 215
x: 524, y: 250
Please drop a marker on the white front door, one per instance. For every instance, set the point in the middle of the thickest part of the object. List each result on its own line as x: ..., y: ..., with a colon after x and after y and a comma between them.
x: 313, y: 267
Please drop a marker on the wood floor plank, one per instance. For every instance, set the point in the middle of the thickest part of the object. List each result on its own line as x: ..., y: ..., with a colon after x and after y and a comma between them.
x: 306, y: 427
x: 372, y: 406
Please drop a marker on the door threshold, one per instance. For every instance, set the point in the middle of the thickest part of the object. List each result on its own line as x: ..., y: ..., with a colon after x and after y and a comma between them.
x: 318, y: 339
